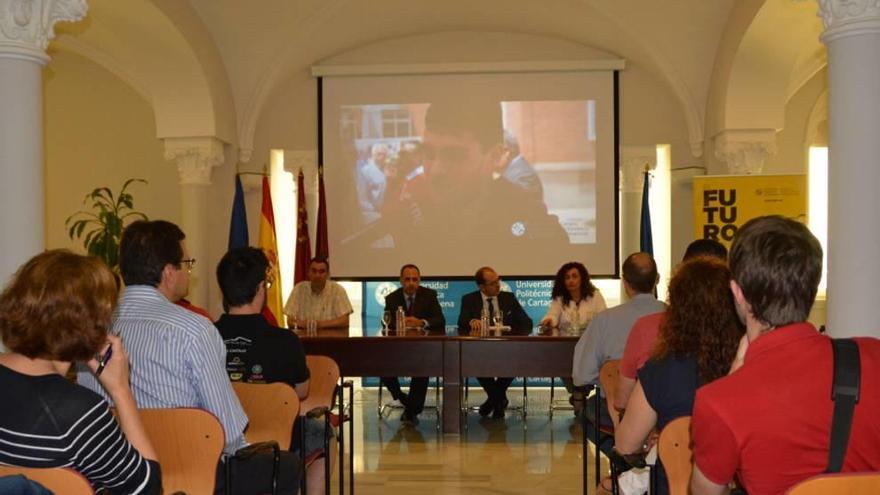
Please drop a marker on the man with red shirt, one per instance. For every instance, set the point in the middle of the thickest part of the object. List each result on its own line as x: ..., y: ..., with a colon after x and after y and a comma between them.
x: 768, y: 423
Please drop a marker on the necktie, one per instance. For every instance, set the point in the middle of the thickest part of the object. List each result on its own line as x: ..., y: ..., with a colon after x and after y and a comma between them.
x: 409, y: 303
x: 491, y: 309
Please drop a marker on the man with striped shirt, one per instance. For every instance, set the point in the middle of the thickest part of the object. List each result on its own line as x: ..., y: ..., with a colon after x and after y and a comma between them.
x: 177, y: 357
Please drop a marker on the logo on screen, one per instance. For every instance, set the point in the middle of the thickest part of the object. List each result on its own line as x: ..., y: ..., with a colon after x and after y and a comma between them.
x: 505, y: 287
x: 383, y: 290
x: 518, y: 229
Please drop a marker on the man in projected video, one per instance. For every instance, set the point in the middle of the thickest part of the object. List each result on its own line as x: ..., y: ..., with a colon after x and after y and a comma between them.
x: 450, y: 184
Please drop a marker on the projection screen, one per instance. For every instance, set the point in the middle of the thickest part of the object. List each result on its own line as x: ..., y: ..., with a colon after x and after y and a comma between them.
x: 456, y: 171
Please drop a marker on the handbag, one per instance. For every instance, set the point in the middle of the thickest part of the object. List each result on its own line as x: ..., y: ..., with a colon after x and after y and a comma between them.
x: 255, y: 469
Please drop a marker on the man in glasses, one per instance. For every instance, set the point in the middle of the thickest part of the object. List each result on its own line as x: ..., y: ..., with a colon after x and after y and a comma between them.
x: 257, y: 352
x: 496, y: 303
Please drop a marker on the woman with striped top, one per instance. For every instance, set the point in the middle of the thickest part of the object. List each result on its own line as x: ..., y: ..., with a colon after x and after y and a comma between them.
x: 57, y: 310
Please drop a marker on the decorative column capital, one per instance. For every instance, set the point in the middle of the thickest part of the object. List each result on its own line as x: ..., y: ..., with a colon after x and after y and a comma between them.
x: 633, y: 162
x: 26, y: 26
x: 195, y: 158
x: 305, y: 160
x: 745, y: 150
x: 843, y: 18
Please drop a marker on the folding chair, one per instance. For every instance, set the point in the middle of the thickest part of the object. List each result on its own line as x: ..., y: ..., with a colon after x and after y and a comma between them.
x: 323, y: 391
x: 608, y: 377
x: 188, y: 443
x: 56, y: 480
x: 838, y: 484
x: 271, y: 410
x: 674, y: 450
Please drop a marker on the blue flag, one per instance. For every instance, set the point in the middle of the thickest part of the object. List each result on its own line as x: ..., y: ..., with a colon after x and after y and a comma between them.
x: 646, y: 239
x: 238, y: 229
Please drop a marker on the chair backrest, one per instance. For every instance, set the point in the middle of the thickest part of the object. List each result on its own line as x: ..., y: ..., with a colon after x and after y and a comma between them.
x: 838, y: 484
x: 56, y: 480
x: 271, y: 410
x: 188, y: 443
x: 609, y: 374
x: 324, y: 376
x: 674, y: 449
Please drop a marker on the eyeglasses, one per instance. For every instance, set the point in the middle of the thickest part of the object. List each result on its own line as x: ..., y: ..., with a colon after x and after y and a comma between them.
x: 190, y: 263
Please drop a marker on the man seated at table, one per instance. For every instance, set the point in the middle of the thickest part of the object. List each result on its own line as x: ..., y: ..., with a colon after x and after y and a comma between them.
x: 257, y: 352
x: 490, y: 297
x: 422, y: 312
x: 319, y: 299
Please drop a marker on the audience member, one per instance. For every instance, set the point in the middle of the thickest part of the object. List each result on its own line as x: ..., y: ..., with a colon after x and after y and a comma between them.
x: 769, y: 422
x: 489, y: 296
x: 56, y: 310
x: 177, y: 357
x: 696, y: 345
x: 318, y: 299
x: 643, y: 336
x: 605, y: 338
x: 423, y: 312
x: 257, y: 352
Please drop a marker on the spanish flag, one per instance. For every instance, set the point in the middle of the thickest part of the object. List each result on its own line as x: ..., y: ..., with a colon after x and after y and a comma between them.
x: 269, y: 245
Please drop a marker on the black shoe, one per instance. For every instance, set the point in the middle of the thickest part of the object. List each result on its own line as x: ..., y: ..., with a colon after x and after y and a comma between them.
x: 498, y: 410
x: 404, y: 399
x: 409, y: 419
x: 486, y: 407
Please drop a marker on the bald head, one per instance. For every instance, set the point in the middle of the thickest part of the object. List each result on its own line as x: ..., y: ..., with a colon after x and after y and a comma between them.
x: 640, y: 272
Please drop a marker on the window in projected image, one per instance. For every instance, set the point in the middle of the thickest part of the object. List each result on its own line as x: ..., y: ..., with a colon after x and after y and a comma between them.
x: 524, y: 173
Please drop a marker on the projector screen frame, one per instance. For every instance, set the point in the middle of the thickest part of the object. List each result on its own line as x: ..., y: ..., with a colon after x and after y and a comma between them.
x: 613, y: 65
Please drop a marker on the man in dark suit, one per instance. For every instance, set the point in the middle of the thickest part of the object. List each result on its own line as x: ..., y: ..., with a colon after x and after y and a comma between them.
x: 472, y: 304
x: 422, y: 311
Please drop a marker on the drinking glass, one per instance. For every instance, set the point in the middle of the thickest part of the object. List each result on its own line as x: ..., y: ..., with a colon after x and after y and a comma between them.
x: 312, y: 328
x: 386, y: 320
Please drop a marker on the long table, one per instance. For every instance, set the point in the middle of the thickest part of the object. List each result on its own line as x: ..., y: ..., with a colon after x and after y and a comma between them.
x: 451, y: 357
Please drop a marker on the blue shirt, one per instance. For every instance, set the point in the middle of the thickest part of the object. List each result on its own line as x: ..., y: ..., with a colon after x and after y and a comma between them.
x: 177, y: 359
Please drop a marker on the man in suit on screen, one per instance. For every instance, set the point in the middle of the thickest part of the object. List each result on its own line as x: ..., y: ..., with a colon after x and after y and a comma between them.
x: 513, y: 315
x: 423, y: 312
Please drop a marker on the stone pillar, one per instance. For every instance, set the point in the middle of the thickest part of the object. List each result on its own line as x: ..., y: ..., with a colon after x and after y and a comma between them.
x: 25, y: 30
x: 745, y: 150
x: 195, y: 158
x: 852, y: 35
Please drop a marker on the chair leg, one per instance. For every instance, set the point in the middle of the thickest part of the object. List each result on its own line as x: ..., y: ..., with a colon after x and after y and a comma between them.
x: 379, y: 407
x: 552, y: 394
x: 525, y: 404
x: 584, y: 464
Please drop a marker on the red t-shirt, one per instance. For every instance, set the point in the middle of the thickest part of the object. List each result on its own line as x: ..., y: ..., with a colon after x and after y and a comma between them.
x: 770, y: 421
x: 640, y: 344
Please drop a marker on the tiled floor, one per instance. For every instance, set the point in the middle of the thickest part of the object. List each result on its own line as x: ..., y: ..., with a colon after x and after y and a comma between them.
x: 507, y: 456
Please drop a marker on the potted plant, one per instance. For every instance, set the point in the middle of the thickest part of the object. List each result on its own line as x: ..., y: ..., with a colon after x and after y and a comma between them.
x: 101, y: 228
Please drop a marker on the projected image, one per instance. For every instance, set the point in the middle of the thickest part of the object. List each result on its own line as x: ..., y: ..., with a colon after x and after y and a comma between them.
x: 512, y: 173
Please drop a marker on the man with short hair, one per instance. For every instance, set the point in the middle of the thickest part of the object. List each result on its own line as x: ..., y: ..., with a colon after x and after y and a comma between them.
x: 490, y: 297
x: 643, y: 336
x: 768, y: 423
x: 605, y: 338
x: 177, y: 357
x: 257, y: 352
x: 423, y: 312
x: 318, y: 299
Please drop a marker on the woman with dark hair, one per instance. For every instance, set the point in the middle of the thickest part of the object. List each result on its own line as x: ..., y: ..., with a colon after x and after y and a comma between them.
x: 575, y: 299
x: 57, y: 310
x: 697, y: 342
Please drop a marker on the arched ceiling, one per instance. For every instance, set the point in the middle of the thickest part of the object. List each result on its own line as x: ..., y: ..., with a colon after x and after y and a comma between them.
x: 161, y: 49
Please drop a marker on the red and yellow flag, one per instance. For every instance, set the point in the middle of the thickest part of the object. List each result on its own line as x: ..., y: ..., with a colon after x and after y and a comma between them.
x: 269, y: 245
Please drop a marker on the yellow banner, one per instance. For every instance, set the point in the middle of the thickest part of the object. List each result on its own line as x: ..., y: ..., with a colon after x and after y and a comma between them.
x: 722, y: 203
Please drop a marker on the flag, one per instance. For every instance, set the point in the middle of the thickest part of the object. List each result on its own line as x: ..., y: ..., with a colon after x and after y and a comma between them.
x: 238, y: 229
x: 646, y: 239
x: 322, y: 245
x: 303, y: 245
x: 268, y: 244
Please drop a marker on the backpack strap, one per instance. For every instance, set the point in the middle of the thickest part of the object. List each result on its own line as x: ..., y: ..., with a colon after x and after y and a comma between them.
x: 845, y: 394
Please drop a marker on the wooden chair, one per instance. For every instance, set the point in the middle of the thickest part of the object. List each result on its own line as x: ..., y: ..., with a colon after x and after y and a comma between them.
x: 56, y: 480
x: 271, y: 410
x: 189, y: 443
x: 609, y: 375
x: 838, y: 484
x: 674, y: 450
x: 323, y: 392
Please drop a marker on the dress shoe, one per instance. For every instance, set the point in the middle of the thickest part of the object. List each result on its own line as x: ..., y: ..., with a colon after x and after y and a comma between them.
x: 409, y: 419
x: 498, y: 410
x: 486, y: 407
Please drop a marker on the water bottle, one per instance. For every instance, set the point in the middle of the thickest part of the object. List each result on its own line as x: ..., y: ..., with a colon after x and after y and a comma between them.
x: 484, y: 322
x: 401, y: 321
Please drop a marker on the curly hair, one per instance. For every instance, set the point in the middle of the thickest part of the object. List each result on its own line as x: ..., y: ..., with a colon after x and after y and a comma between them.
x: 58, y: 306
x: 587, y: 287
x: 701, y: 319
